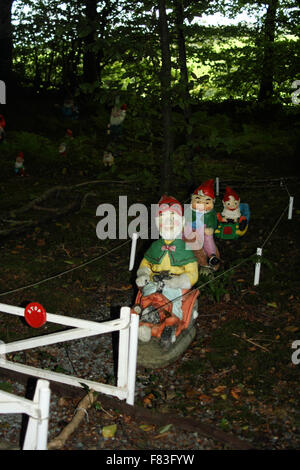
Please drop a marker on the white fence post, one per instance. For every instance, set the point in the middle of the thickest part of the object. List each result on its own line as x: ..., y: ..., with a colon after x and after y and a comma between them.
x: 123, y: 349
x: 38, y: 411
x: 291, y: 207
x: 133, y: 346
x: 37, y: 429
x: 133, y: 250
x: 257, y: 267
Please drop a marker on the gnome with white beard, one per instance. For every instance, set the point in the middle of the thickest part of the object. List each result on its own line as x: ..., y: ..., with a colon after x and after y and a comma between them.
x: 232, y: 211
x: 166, y: 270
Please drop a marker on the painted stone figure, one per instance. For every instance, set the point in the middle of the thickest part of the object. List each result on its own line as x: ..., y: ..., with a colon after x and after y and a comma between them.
x: 19, y: 165
x: 201, y: 224
x: 167, y: 272
x: 234, y: 219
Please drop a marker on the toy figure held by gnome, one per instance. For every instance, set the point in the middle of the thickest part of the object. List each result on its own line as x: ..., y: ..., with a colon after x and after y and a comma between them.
x: 167, y: 271
x: 203, y: 220
x: 19, y: 165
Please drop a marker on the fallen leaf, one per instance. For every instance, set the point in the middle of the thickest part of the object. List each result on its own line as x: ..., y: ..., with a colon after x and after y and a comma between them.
x: 109, y: 431
x: 146, y: 427
x: 234, y: 394
x: 160, y: 436
x: 165, y: 429
x: 204, y: 398
x: 292, y: 329
x: 219, y: 389
x: 272, y: 304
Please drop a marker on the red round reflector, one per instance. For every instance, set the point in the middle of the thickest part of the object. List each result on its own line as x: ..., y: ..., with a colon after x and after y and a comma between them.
x: 35, y: 315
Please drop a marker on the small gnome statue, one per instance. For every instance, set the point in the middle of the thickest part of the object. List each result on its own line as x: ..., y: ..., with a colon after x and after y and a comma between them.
x: 19, y: 165
x: 117, y: 116
x: 2, y: 126
x: 202, y: 202
x: 69, y: 109
x: 235, y: 213
x: 108, y: 158
x: 63, y: 147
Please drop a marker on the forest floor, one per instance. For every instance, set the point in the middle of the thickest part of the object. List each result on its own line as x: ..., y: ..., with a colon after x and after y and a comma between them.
x: 237, y: 376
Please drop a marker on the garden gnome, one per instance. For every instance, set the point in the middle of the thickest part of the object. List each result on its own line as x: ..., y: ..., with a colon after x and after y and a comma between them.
x: 234, y: 219
x: 69, y: 109
x: 19, y: 165
x: 108, y: 158
x: 63, y: 147
x: 117, y: 117
x: 231, y: 211
x: 2, y: 126
x: 167, y: 255
x: 202, y: 201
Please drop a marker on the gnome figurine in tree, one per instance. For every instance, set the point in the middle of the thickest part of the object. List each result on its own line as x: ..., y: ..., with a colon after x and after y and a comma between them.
x: 19, y: 165
x: 234, y: 219
x: 167, y: 271
x: 117, y: 116
x: 202, y: 205
x: 2, y: 126
x: 63, y: 146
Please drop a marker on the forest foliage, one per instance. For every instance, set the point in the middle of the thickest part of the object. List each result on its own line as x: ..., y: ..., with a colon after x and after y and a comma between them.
x: 222, y: 80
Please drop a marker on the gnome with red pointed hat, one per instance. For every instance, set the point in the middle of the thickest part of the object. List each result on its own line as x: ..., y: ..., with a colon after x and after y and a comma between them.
x: 234, y: 212
x: 202, y: 202
x: 231, y: 203
x: 166, y: 269
x: 19, y: 165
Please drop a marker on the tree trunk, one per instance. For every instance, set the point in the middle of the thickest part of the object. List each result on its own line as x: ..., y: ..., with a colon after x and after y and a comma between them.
x: 90, y: 57
x: 6, y: 42
x: 267, y: 73
x: 184, y: 81
x: 165, y: 79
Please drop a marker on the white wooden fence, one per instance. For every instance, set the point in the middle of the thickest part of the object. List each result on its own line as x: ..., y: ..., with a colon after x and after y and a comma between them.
x: 127, y: 324
x: 38, y: 411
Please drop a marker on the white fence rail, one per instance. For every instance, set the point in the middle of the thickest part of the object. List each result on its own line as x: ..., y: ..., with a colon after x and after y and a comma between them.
x: 38, y: 411
x: 127, y: 324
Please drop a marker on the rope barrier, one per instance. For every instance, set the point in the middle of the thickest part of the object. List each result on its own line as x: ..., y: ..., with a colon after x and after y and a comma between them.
x: 282, y: 183
x: 64, y: 272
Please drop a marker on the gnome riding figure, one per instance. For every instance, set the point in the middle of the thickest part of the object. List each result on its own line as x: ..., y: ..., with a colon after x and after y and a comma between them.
x: 202, y: 216
x: 167, y: 271
x: 234, y: 219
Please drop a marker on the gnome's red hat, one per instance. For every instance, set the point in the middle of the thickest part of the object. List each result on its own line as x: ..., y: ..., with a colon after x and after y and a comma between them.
x: 124, y: 107
x: 69, y: 132
x: 167, y: 203
x: 206, y: 189
x: 2, y: 121
x: 21, y: 155
x: 229, y: 192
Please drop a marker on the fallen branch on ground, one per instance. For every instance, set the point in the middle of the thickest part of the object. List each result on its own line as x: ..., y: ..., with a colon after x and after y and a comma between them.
x: 81, y: 411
